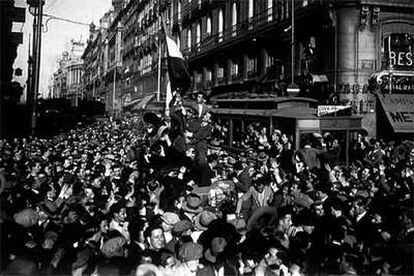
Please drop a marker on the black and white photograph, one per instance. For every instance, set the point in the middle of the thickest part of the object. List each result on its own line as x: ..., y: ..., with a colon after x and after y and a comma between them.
x: 206, y: 137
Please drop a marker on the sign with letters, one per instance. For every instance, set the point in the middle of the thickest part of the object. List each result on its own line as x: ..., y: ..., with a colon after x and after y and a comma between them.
x: 328, y: 109
x: 400, y: 111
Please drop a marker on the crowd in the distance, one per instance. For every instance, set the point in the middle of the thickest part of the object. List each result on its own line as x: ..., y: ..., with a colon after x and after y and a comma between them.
x: 149, y: 196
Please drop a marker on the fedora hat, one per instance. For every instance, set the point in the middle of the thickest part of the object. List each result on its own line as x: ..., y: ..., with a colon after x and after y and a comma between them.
x: 193, y: 204
x: 263, y: 157
x: 262, y: 217
x: 151, y: 118
x: 202, y: 220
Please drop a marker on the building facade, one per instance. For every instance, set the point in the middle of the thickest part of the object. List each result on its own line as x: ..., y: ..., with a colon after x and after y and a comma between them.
x: 68, y: 79
x: 122, y: 56
x: 244, y: 47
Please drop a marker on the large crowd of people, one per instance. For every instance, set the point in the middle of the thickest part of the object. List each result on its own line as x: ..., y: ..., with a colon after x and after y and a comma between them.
x: 143, y: 195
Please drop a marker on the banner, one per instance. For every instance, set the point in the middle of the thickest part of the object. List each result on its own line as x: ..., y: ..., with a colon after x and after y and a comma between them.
x: 328, y: 109
x: 400, y: 111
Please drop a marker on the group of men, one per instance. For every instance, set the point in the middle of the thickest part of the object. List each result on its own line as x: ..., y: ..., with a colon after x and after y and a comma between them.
x: 145, y: 195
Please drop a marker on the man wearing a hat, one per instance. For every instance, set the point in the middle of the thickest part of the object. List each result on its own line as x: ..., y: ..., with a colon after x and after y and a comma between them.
x: 192, y: 206
x: 189, y: 255
x: 259, y: 195
x: 152, y: 124
x: 169, y: 219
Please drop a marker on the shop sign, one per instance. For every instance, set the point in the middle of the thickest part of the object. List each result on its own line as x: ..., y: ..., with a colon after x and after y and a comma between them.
x: 401, y: 59
x: 400, y: 111
x: 328, y: 109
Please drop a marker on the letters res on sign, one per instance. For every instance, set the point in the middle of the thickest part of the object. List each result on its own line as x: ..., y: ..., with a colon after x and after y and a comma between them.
x: 402, y: 59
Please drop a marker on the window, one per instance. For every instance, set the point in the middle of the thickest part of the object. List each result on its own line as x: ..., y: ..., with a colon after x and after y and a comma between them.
x: 189, y: 39
x: 208, y: 26
x: 234, y: 69
x: 270, y: 60
x: 234, y: 19
x: 208, y: 79
x: 220, y: 73
x: 251, y: 9
x: 208, y: 75
x: 252, y: 65
x: 179, y: 10
x: 398, y: 50
x: 269, y: 10
x: 281, y: 10
x: 197, y: 79
x: 287, y: 13
x: 220, y: 25
x: 198, y: 35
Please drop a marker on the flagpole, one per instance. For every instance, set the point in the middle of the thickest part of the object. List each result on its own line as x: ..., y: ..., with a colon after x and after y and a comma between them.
x: 159, y: 71
x: 167, y: 109
x: 160, y: 22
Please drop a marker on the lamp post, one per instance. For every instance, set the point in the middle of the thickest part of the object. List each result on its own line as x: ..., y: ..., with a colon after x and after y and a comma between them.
x: 36, y: 9
x: 292, y: 88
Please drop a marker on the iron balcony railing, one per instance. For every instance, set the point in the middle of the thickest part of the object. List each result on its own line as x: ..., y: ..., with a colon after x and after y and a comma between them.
x: 243, y: 29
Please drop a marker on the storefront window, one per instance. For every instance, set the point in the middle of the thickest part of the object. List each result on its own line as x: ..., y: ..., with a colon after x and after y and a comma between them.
x: 398, y: 51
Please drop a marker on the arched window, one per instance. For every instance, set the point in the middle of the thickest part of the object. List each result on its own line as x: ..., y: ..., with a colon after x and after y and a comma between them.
x: 234, y: 19
x: 208, y: 26
x: 220, y: 25
x: 189, y: 39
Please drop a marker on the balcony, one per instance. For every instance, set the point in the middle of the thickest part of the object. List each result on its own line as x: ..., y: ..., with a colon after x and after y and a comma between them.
x: 245, y: 29
x: 196, y: 8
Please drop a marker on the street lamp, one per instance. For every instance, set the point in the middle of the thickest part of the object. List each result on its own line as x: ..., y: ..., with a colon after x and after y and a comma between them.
x: 292, y: 88
x: 36, y: 9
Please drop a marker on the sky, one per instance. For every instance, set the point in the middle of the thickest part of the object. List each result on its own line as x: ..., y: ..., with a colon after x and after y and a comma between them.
x: 59, y: 33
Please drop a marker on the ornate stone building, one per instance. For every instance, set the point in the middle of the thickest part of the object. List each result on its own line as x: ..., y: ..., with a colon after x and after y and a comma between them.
x: 67, y: 80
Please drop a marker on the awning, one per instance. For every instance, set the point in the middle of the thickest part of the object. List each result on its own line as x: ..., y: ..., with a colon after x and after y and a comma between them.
x: 142, y: 104
x: 400, y: 111
x: 319, y: 78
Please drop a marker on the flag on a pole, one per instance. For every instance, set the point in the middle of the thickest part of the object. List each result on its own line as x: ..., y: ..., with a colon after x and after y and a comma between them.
x: 177, y: 67
x: 168, y: 96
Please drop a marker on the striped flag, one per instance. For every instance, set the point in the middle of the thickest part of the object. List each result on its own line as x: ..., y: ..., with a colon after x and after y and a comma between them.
x: 177, y: 67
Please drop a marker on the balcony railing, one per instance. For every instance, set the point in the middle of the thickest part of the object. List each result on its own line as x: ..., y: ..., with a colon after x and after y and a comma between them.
x: 242, y: 29
x: 195, y: 8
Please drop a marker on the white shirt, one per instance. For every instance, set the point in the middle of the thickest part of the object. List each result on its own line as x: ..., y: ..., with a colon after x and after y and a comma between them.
x: 359, y: 217
x: 200, y: 110
x: 121, y: 228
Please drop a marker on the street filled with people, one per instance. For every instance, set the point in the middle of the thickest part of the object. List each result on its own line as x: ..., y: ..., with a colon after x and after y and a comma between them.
x: 151, y: 195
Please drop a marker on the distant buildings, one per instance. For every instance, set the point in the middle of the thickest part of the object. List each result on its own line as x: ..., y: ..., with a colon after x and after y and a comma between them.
x: 121, y: 58
x: 67, y: 80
